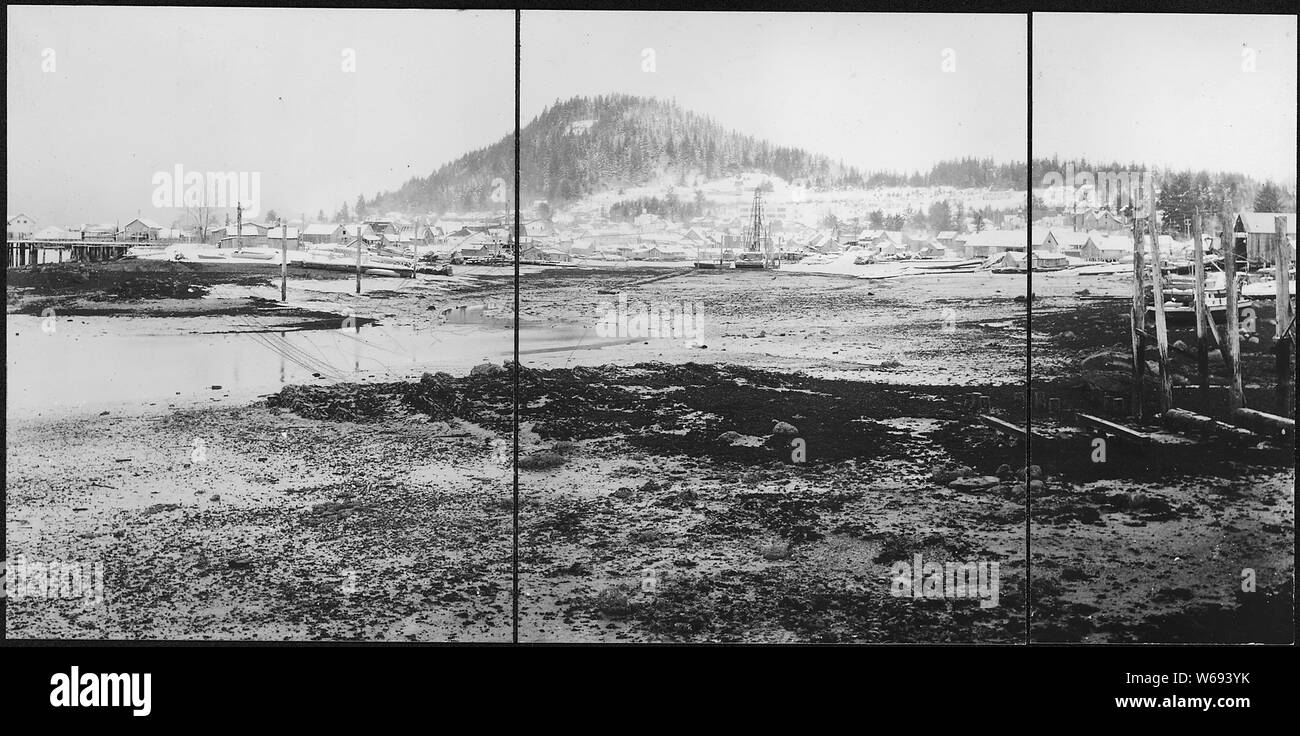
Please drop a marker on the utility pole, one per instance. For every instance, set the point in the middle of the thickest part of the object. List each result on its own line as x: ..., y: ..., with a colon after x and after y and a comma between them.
x: 284, y: 261
x: 359, y: 245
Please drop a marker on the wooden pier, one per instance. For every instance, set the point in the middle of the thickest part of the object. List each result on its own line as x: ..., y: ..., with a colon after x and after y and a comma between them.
x: 22, y: 252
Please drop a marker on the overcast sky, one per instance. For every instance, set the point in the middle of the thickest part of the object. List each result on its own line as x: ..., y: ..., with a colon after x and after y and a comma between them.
x: 1168, y: 90
x: 866, y: 88
x: 138, y: 90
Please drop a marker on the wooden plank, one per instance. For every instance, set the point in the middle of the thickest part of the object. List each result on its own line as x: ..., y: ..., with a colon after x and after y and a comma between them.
x: 1236, y: 397
x: 1162, y: 331
x: 1004, y: 426
x: 1113, y: 428
x: 1282, y: 316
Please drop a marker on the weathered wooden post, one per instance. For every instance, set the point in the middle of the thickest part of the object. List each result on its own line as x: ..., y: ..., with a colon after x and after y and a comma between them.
x: 1138, y: 316
x: 1158, y: 295
x: 358, y: 258
x: 1282, y: 316
x: 1236, y: 398
x: 1202, y: 350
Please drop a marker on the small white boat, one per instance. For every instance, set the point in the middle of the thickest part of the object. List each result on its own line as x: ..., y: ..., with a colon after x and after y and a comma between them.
x: 1265, y: 290
x: 261, y: 255
x: 1109, y: 268
x: 972, y: 264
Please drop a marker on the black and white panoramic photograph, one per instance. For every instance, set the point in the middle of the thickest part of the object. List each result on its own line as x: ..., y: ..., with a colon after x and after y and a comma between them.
x: 416, y: 326
x: 251, y: 393
x: 1163, y: 329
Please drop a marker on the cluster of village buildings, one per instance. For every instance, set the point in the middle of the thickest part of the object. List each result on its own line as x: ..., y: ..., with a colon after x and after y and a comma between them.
x: 1101, y: 235
x: 1090, y: 236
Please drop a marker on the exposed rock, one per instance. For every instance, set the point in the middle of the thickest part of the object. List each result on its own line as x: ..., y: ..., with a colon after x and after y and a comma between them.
x: 974, y: 483
x: 775, y: 551
x: 784, y: 428
x: 613, y: 602
x: 949, y: 472
x: 544, y: 460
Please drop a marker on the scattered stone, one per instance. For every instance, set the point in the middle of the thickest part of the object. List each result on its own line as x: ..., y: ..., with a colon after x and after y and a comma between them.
x: 948, y: 472
x: 613, y: 602
x: 158, y: 508
x: 784, y: 428
x: 1033, y: 472
x: 974, y: 483
x: 775, y: 551
x: 544, y: 460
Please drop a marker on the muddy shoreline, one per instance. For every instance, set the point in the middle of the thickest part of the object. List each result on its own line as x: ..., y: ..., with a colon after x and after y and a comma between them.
x: 388, y: 505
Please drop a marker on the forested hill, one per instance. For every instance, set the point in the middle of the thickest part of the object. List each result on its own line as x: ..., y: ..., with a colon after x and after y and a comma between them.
x: 591, y: 144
